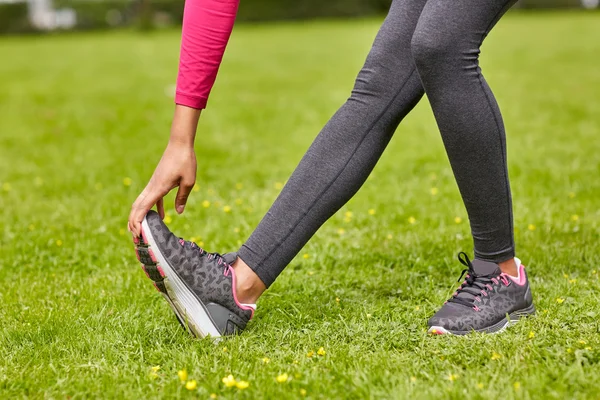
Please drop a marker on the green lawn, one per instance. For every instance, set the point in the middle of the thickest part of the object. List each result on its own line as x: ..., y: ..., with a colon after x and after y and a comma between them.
x: 84, y: 119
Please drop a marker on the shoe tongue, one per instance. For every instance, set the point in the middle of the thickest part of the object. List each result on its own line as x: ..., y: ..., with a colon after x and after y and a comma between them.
x: 230, y: 258
x: 485, y: 268
x: 481, y: 268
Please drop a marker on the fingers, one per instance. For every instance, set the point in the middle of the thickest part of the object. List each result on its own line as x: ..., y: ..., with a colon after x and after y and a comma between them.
x: 160, y: 207
x: 182, y: 195
x: 140, y: 208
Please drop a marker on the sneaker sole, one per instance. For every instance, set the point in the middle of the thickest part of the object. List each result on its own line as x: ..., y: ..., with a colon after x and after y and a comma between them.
x: 499, y: 327
x: 188, y: 309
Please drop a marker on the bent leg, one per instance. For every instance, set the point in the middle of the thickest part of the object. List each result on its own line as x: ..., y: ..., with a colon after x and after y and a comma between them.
x: 446, y: 47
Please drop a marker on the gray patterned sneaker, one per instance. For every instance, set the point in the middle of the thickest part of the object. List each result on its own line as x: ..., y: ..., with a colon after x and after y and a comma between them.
x: 487, y: 301
x: 199, y: 286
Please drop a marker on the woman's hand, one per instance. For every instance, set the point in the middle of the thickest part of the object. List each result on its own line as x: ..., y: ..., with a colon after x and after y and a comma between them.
x: 177, y: 168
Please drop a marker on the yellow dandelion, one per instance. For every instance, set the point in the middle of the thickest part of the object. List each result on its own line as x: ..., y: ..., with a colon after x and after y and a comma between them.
x: 295, y: 362
x: 371, y: 212
x: 200, y: 243
x: 59, y: 242
x: 348, y: 214
x: 593, y: 272
x: 238, y: 202
x: 452, y: 377
x: 531, y: 335
x: 413, y: 379
x: 369, y: 315
x: 588, y: 348
x: 411, y: 220
x: 480, y: 386
x: 236, y: 230
x: 560, y: 300
x: 306, y: 256
x: 227, y: 209
x: 346, y: 219
x: 566, y: 276
x: 191, y: 385
x: 127, y: 181
x: 229, y: 381
x: 310, y: 354
x: 6, y: 187
x: 496, y: 356
x: 571, y: 195
x: 213, y: 396
x: 156, y: 368
x: 575, y: 217
x: 389, y: 236
x: 282, y: 378
x: 242, y: 385
x: 572, y: 281
x: 337, y: 299
x: 183, y: 375
x: 206, y: 204
x: 582, y: 342
x: 196, y: 187
x: 239, y: 186
x: 341, y: 231
x: 168, y: 219
x: 224, y: 349
x: 517, y: 385
x: 531, y: 227
x: 31, y: 227
x: 153, y: 375
x: 311, y: 273
x: 569, y: 350
x: 278, y: 185
x: 321, y: 351
x: 266, y: 360
x: 302, y: 392
x: 434, y: 191
x: 457, y: 220
x: 417, y: 308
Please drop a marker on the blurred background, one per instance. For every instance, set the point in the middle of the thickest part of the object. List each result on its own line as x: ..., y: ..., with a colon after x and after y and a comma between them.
x: 20, y: 16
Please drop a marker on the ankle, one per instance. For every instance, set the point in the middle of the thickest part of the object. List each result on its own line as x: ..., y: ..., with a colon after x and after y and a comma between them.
x: 249, y: 287
x: 509, y: 267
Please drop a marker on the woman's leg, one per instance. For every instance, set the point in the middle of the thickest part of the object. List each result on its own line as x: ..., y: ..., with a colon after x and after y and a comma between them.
x: 344, y: 153
x: 445, y: 47
x: 446, y: 50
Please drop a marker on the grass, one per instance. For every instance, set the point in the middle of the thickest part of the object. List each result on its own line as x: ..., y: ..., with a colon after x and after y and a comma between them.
x: 81, y: 113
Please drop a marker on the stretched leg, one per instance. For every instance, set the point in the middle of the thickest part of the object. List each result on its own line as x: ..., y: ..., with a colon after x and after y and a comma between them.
x: 344, y: 153
x: 445, y: 47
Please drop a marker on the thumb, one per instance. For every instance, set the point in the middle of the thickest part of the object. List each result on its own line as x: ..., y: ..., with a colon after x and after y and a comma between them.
x: 182, y: 196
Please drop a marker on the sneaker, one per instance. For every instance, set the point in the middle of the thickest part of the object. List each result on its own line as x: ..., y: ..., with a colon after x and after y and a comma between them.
x: 487, y: 301
x: 199, y: 286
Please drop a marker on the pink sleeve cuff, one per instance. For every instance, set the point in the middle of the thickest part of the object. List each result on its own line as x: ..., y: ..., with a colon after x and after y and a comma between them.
x: 187, y: 100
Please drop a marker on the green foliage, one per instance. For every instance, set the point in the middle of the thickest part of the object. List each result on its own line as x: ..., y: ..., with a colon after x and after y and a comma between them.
x: 79, y: 319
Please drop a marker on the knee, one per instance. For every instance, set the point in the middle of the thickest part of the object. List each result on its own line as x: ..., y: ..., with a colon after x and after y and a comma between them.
x: 428, y: 49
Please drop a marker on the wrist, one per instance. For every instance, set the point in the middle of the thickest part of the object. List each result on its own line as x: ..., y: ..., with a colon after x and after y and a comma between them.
x: 185, y: 123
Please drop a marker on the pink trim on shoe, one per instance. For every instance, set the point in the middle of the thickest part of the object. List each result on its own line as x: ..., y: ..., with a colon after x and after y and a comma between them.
x: 521, y: 279
x: 231, y: 271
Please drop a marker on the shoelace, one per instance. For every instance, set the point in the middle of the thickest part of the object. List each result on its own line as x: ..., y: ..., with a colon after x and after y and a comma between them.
x: 203, y: 253
x: 474, y: 285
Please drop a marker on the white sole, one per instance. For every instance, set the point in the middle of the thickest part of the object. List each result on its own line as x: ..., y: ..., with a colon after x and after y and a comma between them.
x: 183, y: 302
x: 514, y: 317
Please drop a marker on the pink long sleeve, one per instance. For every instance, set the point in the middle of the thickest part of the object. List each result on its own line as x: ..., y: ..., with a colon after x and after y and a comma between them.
x: 207, y: 25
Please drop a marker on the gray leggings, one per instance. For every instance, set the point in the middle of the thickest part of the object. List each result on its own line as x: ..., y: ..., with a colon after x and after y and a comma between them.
x: 423, y: 46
